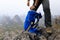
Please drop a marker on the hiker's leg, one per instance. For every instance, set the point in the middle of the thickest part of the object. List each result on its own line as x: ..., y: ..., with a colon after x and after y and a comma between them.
x: 35, y: 5
x: 47, y: 13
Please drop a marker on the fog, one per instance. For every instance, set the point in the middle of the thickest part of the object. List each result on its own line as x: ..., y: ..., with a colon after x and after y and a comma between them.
x: 19, y: 7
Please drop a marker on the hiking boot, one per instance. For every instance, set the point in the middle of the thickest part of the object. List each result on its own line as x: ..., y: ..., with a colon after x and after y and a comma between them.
x: 49, y: 30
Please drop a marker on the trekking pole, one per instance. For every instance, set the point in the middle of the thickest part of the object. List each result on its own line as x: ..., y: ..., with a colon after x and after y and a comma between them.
x: 29, y: 26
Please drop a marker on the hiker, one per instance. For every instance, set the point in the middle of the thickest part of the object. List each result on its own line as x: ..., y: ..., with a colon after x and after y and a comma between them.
x: 31, y: 14
x: 46, y: 9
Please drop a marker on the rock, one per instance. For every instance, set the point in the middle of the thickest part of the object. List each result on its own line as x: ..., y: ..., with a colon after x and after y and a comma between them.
x: 29, y: 36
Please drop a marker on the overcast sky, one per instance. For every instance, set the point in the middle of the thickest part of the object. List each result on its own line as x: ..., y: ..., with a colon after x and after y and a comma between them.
x: 13, y: 7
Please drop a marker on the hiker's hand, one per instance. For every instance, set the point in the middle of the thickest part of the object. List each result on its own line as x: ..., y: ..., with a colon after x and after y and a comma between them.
x: 32, y: 7
x: 28, y: 3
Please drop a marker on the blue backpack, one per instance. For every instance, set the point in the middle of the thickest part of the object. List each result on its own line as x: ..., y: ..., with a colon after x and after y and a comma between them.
x: 31, y: 16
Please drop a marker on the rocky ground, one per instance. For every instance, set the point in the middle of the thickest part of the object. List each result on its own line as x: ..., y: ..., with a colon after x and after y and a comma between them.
x: 30, y: 36
x: 18, y: 35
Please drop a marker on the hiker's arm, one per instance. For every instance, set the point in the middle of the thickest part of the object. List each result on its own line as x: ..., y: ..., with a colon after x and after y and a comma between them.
x: 35, y: 3
x: 28, y: 3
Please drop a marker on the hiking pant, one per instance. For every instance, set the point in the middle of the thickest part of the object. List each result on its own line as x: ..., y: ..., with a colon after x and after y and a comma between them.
x: 46, y: 9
